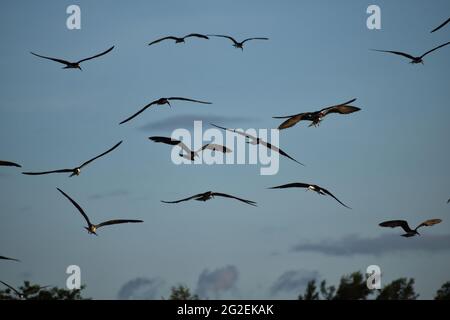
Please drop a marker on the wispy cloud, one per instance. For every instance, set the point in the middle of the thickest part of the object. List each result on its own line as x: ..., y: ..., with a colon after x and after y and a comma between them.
x: 187, y: 121
x: 217, y: 281
x: 115, y: 193
x: 384, y: 244
x: 141, y: 289
x: 293, y: 281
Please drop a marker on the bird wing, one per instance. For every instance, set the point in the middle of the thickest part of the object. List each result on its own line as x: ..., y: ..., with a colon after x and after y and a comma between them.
x: 111, y: 222
x: 162, y: 39
x: 223, y: 36
x: 293, y: 120
x: 252, y: 203
x: 13, y: 289
x: 7, y: 258
x: 216, y: 147
x: 292, y: 185
x: 442, y: 45
x: 47, y: 172
x: 53, y: 59
x: 101, y: 155
x: 330, y: 194
x: 185, y: 199
x: 338, y: 105
x: 235, y: 131
x: 139, y: 112
x: 440, y: 26
x: 396, y: 223
x: 342, y: 109
x: 171, y: 141
x: 397, y: 53
x: 429, y: 223
x: 198, y: 35
x: 186, y: 99
x: 276, y: 149
x: 248, y: 39
x: 9, y: 164
x: 97, y: 55
x: 76, y: 206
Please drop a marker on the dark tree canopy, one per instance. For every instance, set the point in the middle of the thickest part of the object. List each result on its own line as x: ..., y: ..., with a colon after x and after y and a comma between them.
x: 400, y: 289
x: 444, y: 292
x: 36, y: 292
x: 181, y: 292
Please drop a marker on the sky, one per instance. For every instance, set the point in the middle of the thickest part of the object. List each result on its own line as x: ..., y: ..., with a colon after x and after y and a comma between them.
x: 388, y: 161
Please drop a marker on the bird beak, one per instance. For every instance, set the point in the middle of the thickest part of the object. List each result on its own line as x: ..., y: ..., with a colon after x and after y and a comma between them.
x: 80, y: 68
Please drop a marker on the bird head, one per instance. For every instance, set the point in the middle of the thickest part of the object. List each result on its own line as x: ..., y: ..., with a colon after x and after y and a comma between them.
x: 91, y: 230
x: 79, y: 68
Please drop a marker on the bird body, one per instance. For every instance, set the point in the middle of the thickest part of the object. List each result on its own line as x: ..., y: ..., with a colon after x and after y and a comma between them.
x: 255, y: 141
x: 74, y: 171
x: 180, y: 39
x: 311, y: 187
x: 188, y: 153
x: 69, y: 64
x: 414, y: 59
x: 316, y: 117
x: 237, y: 44
x: 162, y: 101
x: 404, y: 225
x: 92, y: 228
x: 210, y: 195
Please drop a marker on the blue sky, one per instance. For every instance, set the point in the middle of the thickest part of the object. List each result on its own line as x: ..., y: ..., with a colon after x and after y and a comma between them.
x: 388, y: 161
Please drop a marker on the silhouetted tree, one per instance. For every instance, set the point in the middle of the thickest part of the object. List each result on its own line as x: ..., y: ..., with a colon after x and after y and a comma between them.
x: 182, y: 293
x: 327, y: 292
x: 35, y: 292
x: 400, y: 289
x: 444, y: 292
x: 353, y: 287
x: 310, y: 292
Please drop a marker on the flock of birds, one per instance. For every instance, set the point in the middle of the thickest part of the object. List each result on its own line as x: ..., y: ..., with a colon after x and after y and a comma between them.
x: 314, y: 117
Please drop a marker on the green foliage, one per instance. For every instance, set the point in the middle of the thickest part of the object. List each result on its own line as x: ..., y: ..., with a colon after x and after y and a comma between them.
x: 444, y: 292
x: 35, y: 292
x: 182, y: 293
x: 400, y: 289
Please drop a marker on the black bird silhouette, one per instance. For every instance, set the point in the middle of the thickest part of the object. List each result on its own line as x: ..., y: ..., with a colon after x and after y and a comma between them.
x: 189, y: 154
x: 254, y: 141
x: 317, y: 116
x: 414, y: 60
x: 9, y: 164
x: 73, y: 65
x: 312, y: 187
x: 404, y: 225
x: 92, y: 228
x: 75, y: 171
x: 210, y: 195
x: 440, y: 26
x: 178, y: 39
x: 7, y: 258
x: 21, y: 295
x: 162, y: 101
x: 237, y: 44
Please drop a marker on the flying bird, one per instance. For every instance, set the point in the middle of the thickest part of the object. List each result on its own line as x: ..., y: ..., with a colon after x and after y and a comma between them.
x: 7, y: 258
x: 9, y: 164
x: 92, y: 228
x: 210, y: 195
x: 160, y: 102
x: 73, y: 65
x: 178, y: 39
x: 317, y: 116
x: 237, y: 44
x: 404, y: 225
x: 22, y: 295
x: 448, y: 201
x: 189, y: 154
x: 254, y: 141
x: 77, y: 170
x: 440, y: 26
x: 414, y: 60
x: 312, y: 187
